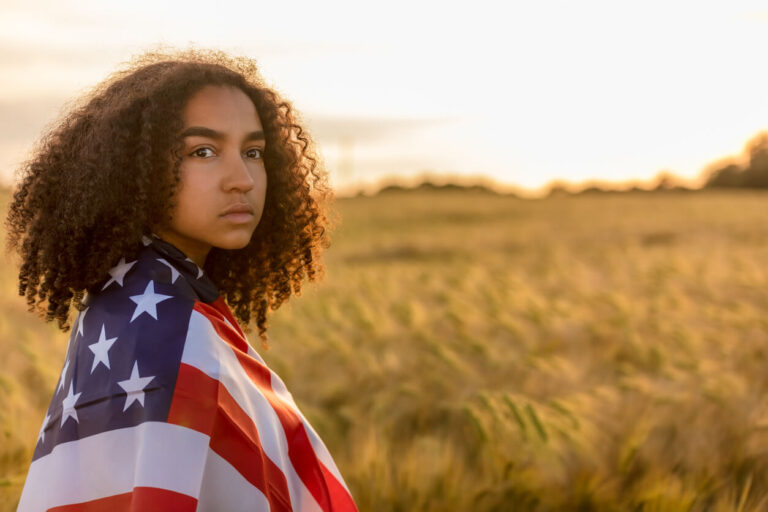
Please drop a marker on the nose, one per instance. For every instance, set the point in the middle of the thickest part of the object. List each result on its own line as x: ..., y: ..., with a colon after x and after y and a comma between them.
x: 238, y: 174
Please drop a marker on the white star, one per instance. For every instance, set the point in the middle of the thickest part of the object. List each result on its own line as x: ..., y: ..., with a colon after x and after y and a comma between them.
x: 100, y: 350
x: 118, y: 272
x: 174, y: 273
x: 80, y: 319
x: 199, y: 270
x: 63, y: 375
x: 134, y: 387
x: 145, y: 240
x: 41, y: 435
x: 68, y: 405
x: 147, y: 302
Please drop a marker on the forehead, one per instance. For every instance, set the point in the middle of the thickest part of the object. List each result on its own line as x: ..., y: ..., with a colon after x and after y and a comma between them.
x: 222, y: 108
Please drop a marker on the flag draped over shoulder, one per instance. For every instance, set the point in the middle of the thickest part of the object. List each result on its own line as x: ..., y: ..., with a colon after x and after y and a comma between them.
x: 163, y: 405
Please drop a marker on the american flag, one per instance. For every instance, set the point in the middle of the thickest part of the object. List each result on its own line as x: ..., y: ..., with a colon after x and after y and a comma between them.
x: 163, y: 405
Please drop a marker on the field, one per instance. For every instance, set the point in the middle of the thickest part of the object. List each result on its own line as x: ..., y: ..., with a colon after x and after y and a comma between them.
x: 474, y: 352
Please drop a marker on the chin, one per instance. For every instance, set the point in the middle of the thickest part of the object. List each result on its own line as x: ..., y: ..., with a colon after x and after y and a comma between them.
x: 233, y: 245
x: 234, y: 241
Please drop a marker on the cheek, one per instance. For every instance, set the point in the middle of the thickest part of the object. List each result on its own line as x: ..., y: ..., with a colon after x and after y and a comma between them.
x: 259, y: 184
x: 263, y: 192
x: 263, y: 183
x: 190, y: 201
x: 259, y: 192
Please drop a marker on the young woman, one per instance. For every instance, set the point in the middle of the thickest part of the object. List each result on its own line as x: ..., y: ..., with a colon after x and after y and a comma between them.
x: 179, y: 188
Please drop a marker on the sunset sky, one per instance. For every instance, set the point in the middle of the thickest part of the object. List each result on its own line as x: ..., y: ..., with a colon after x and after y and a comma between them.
x: 522, y: 93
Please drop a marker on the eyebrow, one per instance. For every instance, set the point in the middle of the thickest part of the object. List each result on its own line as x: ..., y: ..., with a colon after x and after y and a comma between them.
x: 202, y: 131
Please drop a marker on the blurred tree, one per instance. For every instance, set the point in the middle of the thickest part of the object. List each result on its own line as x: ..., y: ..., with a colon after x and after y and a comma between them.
x: 593, y: 189
x: 558, y: 188
x: 729, y: 172
x: 756, y: 174
x: 729, y: 175
x: 665, y: 180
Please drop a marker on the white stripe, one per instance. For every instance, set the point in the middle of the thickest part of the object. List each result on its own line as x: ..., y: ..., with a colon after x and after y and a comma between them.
x: 321, y: 451
x: 206, y: 351
x: 152, y: 454
x: 224, y: 488
x: 323, y: 455
x: 278, y: 386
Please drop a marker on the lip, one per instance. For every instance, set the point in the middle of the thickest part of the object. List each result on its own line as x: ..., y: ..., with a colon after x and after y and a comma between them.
x: 238, y: 217
x: 238, y: 208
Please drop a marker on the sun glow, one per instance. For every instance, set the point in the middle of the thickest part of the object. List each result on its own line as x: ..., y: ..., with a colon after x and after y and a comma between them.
x: 523, y: 94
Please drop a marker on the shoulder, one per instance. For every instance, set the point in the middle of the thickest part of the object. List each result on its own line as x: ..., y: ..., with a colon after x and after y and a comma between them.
x: 117, y: 390
x: 145, y: 304
x: 124, y: 352
x: 151, y: 273
x: 153, y: 293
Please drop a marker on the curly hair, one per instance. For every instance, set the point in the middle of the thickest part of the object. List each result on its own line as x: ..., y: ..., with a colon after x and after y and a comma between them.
x: 99, y: 179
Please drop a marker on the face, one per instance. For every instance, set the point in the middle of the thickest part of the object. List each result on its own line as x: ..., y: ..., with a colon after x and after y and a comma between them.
x: 222, y: 169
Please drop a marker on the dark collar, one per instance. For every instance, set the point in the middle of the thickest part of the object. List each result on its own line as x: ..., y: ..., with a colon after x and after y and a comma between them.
x: 194, y: 275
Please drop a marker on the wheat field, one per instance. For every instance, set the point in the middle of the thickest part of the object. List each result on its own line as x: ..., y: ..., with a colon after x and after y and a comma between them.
x: 475, y: 352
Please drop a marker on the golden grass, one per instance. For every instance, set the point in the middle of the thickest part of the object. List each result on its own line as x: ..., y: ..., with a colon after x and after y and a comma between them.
x: 477, y: 352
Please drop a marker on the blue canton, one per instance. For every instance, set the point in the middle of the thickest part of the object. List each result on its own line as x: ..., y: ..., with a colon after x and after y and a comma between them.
x: 125, y: 349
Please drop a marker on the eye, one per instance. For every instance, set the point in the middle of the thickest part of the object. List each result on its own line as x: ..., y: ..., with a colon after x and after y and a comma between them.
x: 255, y: 153
x: 197, y: 152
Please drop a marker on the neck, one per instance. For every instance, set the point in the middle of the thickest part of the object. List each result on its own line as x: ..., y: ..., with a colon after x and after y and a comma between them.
x: 193, y: 250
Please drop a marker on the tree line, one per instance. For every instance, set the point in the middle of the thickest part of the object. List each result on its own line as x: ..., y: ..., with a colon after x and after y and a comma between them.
x: 748, y: 171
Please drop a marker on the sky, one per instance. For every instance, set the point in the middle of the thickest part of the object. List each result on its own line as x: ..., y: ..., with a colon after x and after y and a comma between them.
x: 516, y: 93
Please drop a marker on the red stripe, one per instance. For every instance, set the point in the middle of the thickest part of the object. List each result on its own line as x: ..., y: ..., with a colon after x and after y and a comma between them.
x: 329, y: 493
x: 237, y: 337
x: 204, y: 404
x: 340, y: 498
x: 141, y: 499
